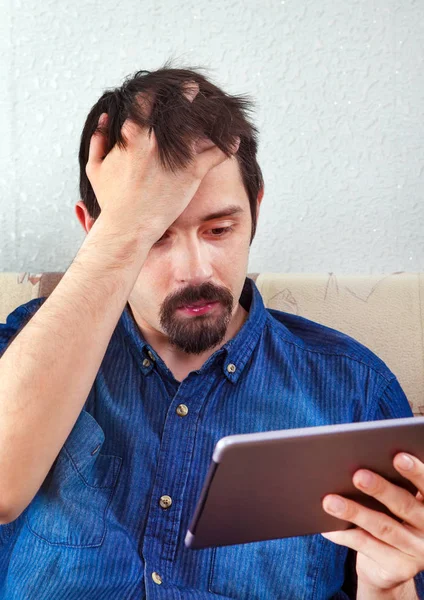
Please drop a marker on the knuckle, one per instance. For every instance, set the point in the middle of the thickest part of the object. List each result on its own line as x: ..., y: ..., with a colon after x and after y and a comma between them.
x: 89, y: 169
x: 129, y: 129
x: 379, y: 487
x: 407, y: 504
x: 403, y: 570
x: 359, y: 538
x: 386, y: 575
x: 350, y: 512
x: 190, y: 89
x: 384, y: 529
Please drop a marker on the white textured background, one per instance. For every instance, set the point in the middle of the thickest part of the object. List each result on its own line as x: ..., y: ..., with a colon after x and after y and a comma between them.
x: 339, y: 90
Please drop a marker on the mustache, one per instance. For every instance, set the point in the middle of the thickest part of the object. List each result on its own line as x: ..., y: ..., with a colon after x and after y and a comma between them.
x: 207, y: 292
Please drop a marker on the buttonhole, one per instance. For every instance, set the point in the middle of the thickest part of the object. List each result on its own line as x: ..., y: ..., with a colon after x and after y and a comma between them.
x: 95, y: 450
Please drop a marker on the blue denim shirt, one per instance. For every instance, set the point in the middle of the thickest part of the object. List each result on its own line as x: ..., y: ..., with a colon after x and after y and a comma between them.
x: 96, y: 529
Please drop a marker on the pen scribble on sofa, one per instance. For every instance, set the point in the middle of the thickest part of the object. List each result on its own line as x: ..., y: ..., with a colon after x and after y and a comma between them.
x: 383, y: 312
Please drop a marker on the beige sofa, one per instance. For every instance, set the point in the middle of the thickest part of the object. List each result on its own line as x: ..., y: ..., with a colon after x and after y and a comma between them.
x: 383, y: 312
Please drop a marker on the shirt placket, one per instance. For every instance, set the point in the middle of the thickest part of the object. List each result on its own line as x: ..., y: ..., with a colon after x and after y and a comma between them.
x: 175, y: 457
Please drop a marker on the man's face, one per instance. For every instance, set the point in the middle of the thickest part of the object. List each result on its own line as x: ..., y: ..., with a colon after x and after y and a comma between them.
x: 197, y: 260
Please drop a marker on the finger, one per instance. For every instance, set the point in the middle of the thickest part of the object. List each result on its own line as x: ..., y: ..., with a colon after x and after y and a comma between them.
x: 204, y: 143
x: 208, y: 159
x: 379, y: 525
x: 139, y: 140
x: 399, y: 501
x: 388, y: 559
x: 190, y: 89
x: 132, y: 132
x: 411, y: 468
x: 212, y: 156
x: 98, y: 142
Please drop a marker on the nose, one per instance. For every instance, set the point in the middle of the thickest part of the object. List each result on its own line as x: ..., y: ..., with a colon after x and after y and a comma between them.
x: 192, y: 264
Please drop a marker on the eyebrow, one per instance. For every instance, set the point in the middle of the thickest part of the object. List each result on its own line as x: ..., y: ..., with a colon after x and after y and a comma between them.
x: 226, y: 212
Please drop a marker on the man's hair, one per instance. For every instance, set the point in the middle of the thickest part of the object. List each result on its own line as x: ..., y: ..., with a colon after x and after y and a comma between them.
x: 177, y: 123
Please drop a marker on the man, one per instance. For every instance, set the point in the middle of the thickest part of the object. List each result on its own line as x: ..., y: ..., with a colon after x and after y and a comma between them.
x: 115, y: 389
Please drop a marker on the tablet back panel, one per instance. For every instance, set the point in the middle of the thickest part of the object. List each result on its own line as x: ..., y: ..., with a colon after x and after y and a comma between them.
x: 260, y: 490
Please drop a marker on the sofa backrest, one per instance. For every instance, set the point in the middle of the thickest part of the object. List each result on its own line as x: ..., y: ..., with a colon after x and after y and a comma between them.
x: 383, y: 312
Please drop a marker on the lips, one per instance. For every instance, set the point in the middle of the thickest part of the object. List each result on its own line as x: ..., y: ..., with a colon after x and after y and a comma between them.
x: 197, y: 304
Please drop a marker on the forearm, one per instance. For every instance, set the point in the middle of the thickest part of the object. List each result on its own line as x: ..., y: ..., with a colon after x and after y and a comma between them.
x: 47, y: 371
x: 406, y: 591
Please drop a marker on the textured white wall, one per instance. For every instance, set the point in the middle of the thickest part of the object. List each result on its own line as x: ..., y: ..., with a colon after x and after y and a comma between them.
x: 339, y: 87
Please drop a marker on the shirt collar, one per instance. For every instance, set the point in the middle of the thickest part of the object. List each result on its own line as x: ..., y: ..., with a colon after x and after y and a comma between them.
x: 236, y: 352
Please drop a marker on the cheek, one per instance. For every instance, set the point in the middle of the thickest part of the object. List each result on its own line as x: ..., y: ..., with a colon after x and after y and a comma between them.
x: 154, y: 275
x: 238, y: 251
x: 228, y: 260
x: 149, y: 288
x: 229, y: 257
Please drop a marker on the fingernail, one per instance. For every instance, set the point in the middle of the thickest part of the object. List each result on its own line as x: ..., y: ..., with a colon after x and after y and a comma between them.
x: 405, y: 462
x: 366, y: 479
x: 335, y: 504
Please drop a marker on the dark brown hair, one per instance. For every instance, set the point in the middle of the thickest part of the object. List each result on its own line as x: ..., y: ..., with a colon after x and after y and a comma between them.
x: 177, y: 123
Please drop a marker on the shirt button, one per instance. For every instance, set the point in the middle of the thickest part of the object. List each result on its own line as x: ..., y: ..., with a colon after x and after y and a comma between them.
x: 165, y: 501
x: 231, y: 368
x: 151, y: 356
x: 182, y: 410
x: 146, y: 362
x: 156, y: 578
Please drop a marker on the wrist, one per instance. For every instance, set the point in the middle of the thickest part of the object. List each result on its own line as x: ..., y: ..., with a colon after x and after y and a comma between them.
x: 116, y: 227
x: 111, y: 254
x: 129, y: 242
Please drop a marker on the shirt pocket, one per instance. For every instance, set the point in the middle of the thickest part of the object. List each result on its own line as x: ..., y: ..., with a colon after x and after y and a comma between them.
x: 71, y: 507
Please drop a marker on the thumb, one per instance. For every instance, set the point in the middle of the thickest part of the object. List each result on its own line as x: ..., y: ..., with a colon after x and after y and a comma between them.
x: 98, y: 142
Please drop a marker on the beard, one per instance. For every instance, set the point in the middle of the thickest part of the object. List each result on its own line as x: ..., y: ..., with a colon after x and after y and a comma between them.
x: 195, y: 334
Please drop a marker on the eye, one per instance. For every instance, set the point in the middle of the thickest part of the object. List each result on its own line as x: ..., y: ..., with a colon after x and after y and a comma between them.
x: 217, y: 232
x: 223, y: 231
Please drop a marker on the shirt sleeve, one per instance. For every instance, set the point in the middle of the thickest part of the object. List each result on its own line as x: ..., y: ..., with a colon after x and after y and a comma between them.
x: 16, y: 321
x: 394, y: 404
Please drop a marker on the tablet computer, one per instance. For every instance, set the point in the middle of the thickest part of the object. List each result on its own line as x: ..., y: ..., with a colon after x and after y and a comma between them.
x: 270, y: 485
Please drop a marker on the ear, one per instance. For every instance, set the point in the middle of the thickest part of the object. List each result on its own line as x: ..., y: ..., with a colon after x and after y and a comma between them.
x: 259, y: 200
x: 83, y: 216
